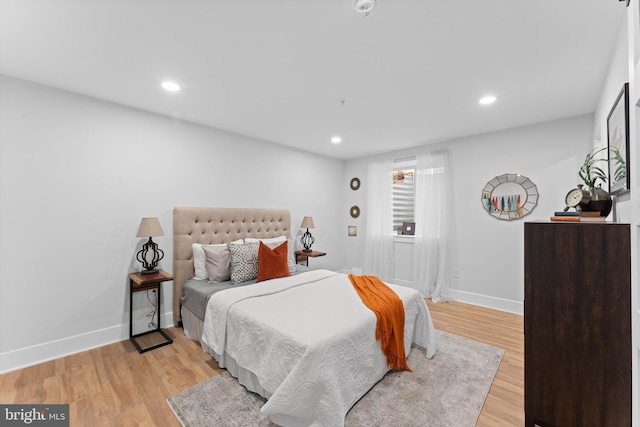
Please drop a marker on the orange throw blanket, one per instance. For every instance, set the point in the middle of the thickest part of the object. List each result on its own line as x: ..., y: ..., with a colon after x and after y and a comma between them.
x: 389, y: 311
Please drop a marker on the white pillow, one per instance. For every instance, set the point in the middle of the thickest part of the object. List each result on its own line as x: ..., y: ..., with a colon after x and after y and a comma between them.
x: 200, y: 259
x: 278, y: 239
x: 291, y: 256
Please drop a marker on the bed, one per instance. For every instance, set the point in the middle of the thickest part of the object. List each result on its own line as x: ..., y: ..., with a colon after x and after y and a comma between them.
x: 305, y: 341
x: 211, y: 226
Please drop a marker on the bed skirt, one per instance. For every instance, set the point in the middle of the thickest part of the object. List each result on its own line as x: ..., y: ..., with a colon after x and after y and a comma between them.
x: 193, y: 328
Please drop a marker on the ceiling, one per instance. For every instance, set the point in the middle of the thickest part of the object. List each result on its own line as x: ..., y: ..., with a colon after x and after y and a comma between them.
x: 297, y: 72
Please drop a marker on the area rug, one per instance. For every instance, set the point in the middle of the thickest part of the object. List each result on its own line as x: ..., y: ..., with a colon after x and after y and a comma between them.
x: 448, y: 390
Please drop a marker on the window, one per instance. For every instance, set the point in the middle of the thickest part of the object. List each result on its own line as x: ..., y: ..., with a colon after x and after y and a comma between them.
x: 403, y: 192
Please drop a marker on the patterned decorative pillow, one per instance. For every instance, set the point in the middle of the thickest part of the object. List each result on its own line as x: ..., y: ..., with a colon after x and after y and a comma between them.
x: 272, y: 263
x: 244, y: 262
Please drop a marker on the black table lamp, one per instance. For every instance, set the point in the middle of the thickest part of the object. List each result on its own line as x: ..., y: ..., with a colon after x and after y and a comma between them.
x: 307, y: 239
x: 150, y: 255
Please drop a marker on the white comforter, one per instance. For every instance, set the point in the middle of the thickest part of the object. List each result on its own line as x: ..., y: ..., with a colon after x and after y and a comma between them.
x: 310, y: 341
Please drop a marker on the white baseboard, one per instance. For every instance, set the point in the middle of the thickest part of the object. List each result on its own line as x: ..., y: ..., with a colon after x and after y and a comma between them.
x: 406, y: 283
x: 34, y: 355
x: 509, y: 306
x: 29, y: 356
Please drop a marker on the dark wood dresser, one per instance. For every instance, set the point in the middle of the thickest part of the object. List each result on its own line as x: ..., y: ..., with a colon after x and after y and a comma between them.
x: 577, y: 324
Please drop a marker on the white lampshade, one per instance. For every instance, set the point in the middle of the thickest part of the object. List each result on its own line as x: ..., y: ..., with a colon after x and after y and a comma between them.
x: 307, y: 222
x: 149, y: 227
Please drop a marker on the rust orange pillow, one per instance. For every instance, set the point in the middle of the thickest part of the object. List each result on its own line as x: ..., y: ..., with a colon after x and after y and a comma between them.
x: 272, y: 263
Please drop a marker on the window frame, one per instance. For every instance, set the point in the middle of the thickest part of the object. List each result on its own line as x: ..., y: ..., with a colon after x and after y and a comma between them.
x: 403, y: 198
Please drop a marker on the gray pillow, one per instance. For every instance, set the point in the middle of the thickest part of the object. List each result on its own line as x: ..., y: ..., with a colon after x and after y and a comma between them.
x: 218, y: 262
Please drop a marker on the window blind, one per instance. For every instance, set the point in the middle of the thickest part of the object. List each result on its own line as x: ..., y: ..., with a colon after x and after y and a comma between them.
x: 403, y: 197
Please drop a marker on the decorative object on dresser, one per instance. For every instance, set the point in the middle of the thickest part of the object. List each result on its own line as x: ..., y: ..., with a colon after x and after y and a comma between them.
x: 578, y: 216
x: 591, y: 173
x: 148, y: 282
x: 307, y: 239
x: 577, y: 198
x: 149, y: 255
x: 577, y: 324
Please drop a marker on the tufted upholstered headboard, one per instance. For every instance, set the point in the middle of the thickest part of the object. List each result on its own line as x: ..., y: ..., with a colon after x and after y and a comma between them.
x: 217, y: 225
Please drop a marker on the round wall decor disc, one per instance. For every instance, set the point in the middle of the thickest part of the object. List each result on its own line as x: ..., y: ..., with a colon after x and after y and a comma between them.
x: 355, y: 211
x: 355, y: 183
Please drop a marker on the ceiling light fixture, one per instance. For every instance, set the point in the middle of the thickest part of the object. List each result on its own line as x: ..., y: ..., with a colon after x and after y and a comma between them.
x: 489, y: 99
x: 171, y: 86
x: 336, y: 140
x: 364, y: 7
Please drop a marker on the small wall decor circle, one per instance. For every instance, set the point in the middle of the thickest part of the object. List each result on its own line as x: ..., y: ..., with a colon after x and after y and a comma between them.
x: 509, y: 196
x: 355, y: 183
x: 355, y: 211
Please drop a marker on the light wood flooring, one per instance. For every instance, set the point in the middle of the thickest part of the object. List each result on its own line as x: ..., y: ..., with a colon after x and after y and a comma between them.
x: 115, y: 385
x: 504, y: 405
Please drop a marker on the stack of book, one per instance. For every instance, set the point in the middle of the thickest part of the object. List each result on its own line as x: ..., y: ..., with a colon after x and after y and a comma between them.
x: 578, y: 216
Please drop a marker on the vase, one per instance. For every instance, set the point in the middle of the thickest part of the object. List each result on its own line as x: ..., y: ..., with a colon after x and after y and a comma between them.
x: 600, y: 201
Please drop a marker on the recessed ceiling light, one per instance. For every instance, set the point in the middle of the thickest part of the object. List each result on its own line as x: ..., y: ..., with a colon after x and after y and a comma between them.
x: 489, y: 99
x: 336, y: 140
x: 171, y: 86
x: 364, y: 7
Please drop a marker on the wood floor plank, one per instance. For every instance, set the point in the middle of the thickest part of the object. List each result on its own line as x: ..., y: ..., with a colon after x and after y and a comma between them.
x: 115, y: 385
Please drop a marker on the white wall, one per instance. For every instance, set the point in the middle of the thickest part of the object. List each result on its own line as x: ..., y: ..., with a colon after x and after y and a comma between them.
x: 617, y: 76
x: 76, y: 176
x: 490, y: 251
x: 623, y: 68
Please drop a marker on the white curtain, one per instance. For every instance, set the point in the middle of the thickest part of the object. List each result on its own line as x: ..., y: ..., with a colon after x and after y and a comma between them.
x: 379, y: 258
x: 435, y: 226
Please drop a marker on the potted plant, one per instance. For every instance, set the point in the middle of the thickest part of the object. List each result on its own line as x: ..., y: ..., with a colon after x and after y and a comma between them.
x: 593, y: 177
x: 589, y: 172
x: 619, y: 174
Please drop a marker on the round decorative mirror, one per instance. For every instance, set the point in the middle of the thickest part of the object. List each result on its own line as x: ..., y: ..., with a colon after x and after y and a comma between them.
x: 355, y: 211
x: 509, y: 196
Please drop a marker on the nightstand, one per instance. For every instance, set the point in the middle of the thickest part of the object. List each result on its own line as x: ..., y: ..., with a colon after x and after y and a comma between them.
x: 304, y: 256
x: 147, y: 282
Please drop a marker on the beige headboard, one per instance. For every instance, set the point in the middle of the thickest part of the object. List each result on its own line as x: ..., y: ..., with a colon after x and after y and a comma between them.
x: 217, y: 225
